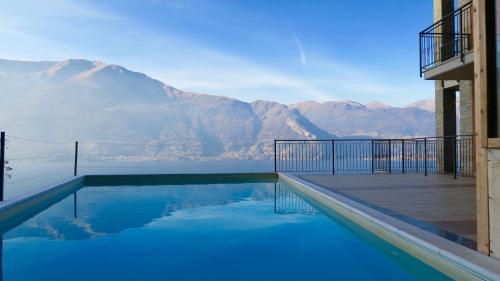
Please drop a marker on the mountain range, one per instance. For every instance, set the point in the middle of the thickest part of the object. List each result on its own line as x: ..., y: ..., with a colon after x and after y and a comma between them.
x: 118, y: 113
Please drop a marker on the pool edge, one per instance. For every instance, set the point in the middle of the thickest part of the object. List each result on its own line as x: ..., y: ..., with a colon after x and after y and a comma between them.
x: 456, y: 261
x: 26, y: 205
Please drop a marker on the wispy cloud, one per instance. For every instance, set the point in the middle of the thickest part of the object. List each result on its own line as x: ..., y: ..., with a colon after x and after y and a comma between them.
x: 221, y: 73
x: 302, y: 53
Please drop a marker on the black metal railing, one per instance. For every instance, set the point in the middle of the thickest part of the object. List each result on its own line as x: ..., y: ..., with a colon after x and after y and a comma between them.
x: 446, y: 39
x: 436, y: 155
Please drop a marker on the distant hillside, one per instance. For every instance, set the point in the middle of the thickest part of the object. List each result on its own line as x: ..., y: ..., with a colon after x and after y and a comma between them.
x: 428, y: 105
x: 98, y: 102
x: 349, y: 118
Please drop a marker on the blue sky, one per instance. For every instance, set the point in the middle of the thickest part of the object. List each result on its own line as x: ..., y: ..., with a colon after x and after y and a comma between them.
x: 286, y: 51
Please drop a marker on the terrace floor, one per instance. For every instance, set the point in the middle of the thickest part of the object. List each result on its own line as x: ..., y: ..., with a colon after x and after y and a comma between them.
x: 436, y: 203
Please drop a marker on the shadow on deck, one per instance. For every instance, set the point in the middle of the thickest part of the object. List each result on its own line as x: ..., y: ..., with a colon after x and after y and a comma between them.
x: 437, y: 203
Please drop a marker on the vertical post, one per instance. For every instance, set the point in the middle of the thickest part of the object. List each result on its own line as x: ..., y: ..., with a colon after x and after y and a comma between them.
x: 333, y: 157
x: 373, y: 159
x: 415, y: 142
x: 455, y: 157
x: 420, y: 52
x: 76, y: 159
x: 390, y: 157
x: 2, y: 164
x: 403, y: 155
x: 460, y: 32
x: 275, y: 156
x: 425, y: 156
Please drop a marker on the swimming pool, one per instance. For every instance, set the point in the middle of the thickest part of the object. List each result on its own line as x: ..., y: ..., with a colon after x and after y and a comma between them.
x: 214, y: 230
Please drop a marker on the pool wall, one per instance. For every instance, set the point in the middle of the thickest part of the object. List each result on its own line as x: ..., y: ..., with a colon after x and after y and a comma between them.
x: 456, y: 261
x: 177, y: 179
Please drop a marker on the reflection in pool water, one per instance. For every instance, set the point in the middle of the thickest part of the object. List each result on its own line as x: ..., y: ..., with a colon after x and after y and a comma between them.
x: 245, y: 231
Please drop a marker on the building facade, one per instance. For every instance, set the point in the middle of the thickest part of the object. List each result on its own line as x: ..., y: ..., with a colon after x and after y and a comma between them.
x: 461, y: 53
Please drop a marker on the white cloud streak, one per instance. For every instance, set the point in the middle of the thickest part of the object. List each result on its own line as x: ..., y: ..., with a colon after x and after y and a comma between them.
x: 300, y: 48
x: 221, y: 73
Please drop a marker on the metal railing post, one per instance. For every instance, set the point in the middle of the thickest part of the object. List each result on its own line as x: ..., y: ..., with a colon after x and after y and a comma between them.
x: 461, y: 34
x: 275, y: 154
x: 416, y: 155
x: 403, y: 155
x: 76, y: 159
x: 420, y: 52
x: 2, y: 164
x: 425, y: 156
x: 333, y: 157
x: 455, y: 157
x: 373, y: 158
x: 390, y: 157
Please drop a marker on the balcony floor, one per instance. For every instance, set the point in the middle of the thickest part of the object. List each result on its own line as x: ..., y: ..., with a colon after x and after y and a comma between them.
x: 455, y: 68
x: 437, y: 203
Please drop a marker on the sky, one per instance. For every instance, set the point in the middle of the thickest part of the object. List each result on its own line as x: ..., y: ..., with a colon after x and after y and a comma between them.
x: 286, y: 51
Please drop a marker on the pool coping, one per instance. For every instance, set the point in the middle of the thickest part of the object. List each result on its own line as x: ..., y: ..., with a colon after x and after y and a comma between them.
x: 22, y: 205
x: 454, y: 260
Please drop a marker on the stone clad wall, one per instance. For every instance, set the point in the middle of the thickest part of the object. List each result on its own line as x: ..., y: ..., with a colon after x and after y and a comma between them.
x: 466, y: 112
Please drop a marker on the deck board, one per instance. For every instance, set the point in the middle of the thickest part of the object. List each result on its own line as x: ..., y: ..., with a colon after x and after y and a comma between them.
x: 438, y: 203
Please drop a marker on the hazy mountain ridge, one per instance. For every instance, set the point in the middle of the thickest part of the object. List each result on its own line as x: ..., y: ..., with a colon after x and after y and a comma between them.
x: 349, y: 118
x: 95, y: 102
x: 428, y: 105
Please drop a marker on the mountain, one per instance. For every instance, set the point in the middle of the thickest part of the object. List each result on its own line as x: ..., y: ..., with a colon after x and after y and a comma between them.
x: 118, y: 113
x: 349, y: 118
x: 428, y: 105
x: 279, y: 119
x: 377, y: 105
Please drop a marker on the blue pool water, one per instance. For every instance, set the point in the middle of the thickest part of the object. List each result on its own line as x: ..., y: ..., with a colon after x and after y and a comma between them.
x: 242, y: 231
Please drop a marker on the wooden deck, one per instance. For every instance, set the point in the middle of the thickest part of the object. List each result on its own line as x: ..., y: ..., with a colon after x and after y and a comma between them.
x: 437, y: 203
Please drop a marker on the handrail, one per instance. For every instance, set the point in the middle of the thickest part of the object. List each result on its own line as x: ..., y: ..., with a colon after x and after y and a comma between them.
x: 448, y: 16
x: 360, y: 139
x: 435, y: 155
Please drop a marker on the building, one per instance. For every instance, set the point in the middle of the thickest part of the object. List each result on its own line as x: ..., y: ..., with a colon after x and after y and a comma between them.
x: 461, y: 53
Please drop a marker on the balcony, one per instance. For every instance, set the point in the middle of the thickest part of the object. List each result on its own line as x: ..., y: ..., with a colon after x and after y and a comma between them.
x: 446, y: 47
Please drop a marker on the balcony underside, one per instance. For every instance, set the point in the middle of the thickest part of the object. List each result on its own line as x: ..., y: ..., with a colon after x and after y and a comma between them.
x: 453, y: 69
